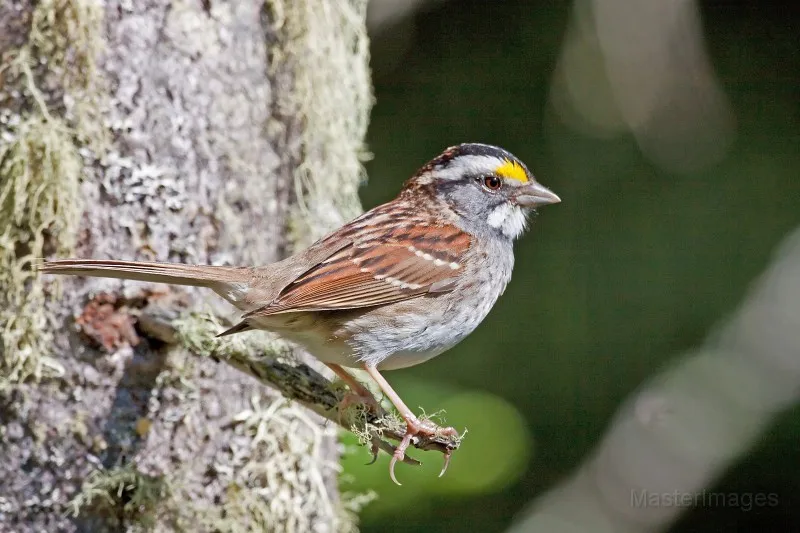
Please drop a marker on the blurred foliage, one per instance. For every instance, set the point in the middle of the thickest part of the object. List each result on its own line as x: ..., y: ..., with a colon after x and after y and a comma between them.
x: 637, y: 264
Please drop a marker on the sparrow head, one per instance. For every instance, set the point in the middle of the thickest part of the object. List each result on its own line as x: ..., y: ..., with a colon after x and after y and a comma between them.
x: 487, y: 186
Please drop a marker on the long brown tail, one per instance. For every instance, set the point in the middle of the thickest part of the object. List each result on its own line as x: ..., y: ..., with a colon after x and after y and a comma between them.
x: 214, y: 277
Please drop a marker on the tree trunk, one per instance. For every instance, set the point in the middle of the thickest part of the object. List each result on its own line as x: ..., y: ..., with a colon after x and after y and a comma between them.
x: 186, y: 131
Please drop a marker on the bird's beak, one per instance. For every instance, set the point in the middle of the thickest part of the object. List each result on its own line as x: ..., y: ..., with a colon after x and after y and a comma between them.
x: 534, y: 194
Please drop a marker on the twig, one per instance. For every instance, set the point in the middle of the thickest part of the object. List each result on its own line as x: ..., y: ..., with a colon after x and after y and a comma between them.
x: 274, y: 366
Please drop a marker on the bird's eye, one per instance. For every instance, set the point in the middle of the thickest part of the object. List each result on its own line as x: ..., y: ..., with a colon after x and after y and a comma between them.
x: 492, y: 182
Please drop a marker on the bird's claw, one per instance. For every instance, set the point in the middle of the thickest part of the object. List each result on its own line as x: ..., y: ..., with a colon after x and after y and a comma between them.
x: 447, y: 455
x: 374, y: 449
x: 416, y: 427
x: 400, y: 454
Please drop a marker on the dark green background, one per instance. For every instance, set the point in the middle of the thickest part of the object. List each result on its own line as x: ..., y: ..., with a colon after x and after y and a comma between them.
x: 634, y: 267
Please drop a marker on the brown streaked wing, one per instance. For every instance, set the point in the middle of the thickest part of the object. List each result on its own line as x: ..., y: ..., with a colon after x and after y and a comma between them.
x: 403, y: 261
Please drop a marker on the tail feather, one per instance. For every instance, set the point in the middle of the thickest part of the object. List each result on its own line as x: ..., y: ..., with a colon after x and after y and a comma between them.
x: 173, y: 273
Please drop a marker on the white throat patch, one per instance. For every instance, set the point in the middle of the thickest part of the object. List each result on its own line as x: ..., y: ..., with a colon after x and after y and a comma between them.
x: 509, y: 219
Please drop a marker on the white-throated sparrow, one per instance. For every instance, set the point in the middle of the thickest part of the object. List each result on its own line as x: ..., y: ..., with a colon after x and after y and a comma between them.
x: 395, y: 287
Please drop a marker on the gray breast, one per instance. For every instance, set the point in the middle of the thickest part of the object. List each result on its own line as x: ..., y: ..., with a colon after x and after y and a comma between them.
x: 411, y: 332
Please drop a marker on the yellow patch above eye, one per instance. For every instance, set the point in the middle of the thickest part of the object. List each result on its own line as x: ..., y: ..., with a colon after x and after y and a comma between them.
x: 512, y: 170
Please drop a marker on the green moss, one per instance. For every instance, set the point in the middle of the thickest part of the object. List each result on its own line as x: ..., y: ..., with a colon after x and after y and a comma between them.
x: 140, y: 496
x: 40, y: 170
x: 327, y: 52
x: 39, y: 178
x: 66, y: 38
x: 197, y: 332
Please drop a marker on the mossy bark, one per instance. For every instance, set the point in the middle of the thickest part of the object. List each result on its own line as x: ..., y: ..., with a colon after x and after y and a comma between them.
x: 204, y: 132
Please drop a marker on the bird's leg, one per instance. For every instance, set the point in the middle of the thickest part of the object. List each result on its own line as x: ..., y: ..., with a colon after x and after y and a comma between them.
x: 414, y: 426
x: 358, y: 392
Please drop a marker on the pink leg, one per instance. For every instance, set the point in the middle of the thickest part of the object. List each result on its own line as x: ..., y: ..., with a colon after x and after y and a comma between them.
x: 358, y: 392
x: 414, y: 426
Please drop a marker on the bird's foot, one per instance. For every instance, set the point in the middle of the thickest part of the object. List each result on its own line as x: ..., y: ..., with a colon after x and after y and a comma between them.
x: 361, y: 398
x: 414, y: 427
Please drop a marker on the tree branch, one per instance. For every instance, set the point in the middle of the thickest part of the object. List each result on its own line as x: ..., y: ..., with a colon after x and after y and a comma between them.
x: 272, y: 364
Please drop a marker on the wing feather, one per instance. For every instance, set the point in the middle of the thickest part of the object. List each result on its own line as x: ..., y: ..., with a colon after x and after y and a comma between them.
x: 407, y: 258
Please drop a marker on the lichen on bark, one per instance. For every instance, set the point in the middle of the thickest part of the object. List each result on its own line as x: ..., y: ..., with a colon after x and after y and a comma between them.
x: 324, y: 56
x: 40, y: 169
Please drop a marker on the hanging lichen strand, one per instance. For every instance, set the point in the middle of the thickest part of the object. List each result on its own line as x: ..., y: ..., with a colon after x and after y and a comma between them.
x: 325, y: 60
x: 44, y: 121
